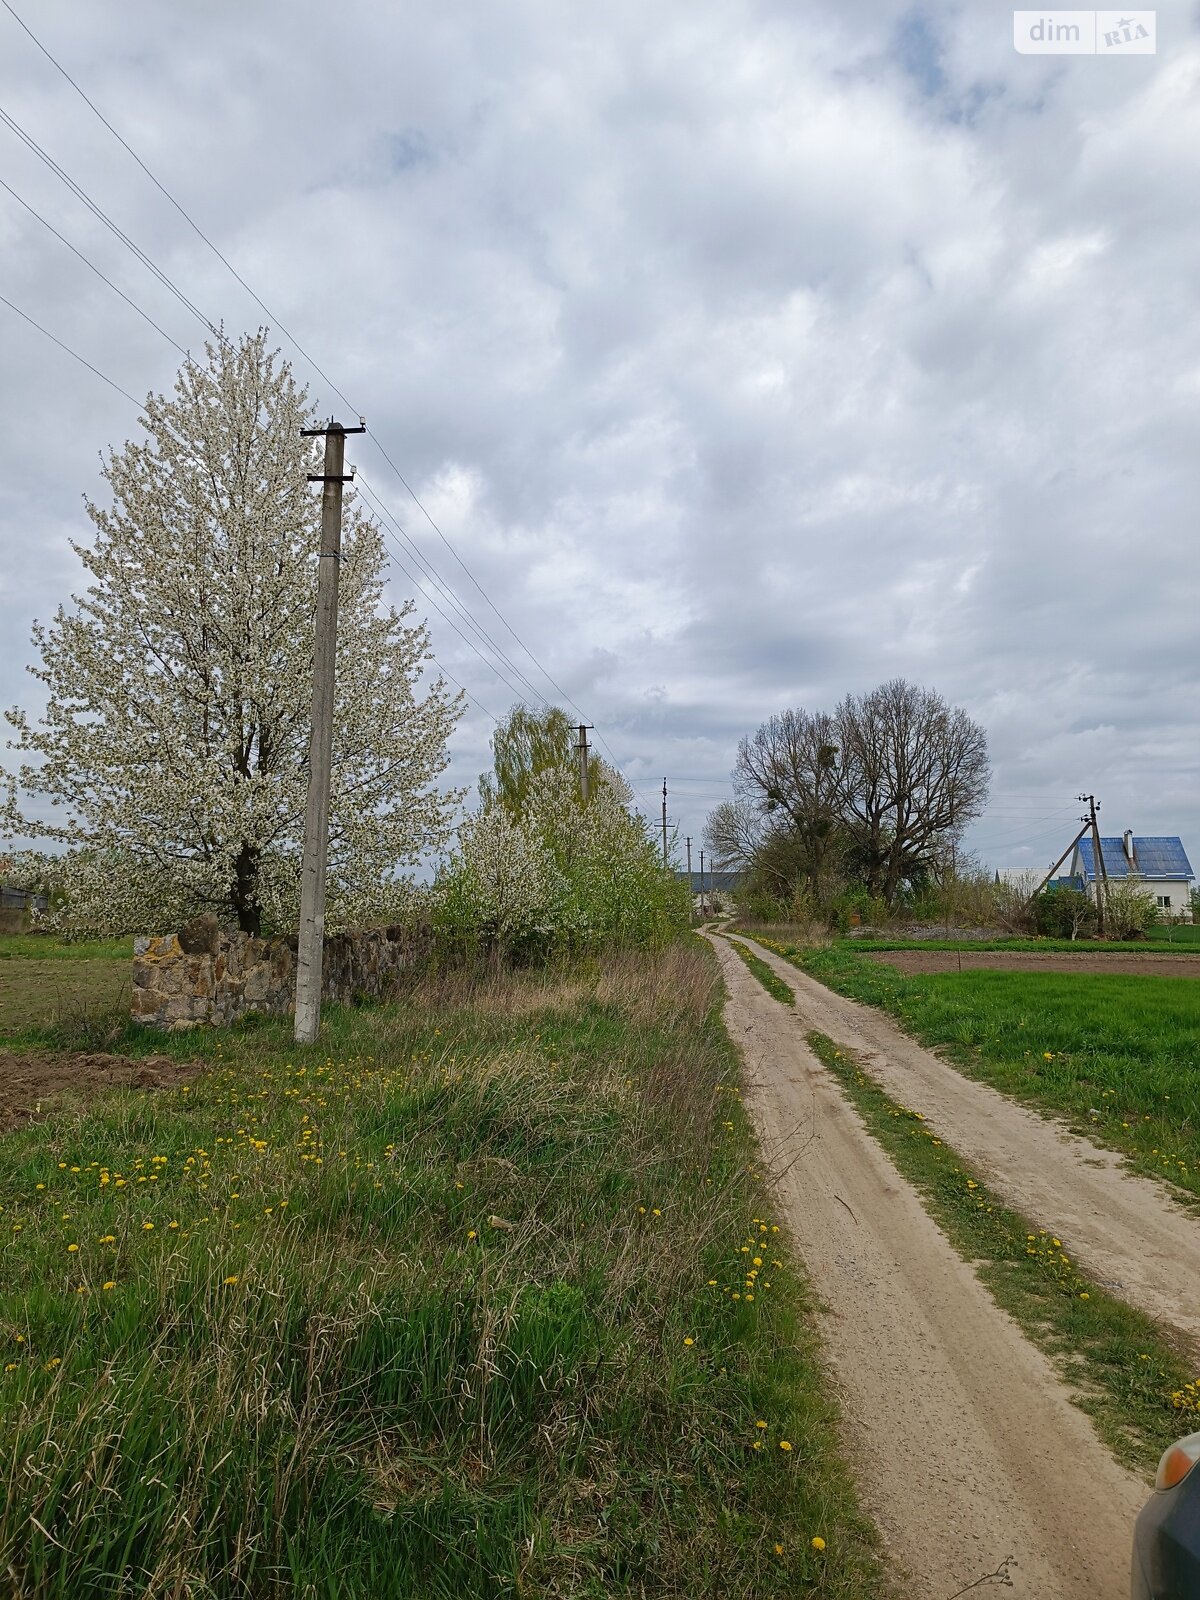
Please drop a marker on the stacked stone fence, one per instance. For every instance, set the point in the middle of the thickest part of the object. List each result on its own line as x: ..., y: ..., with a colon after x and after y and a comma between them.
x: 204, y: 974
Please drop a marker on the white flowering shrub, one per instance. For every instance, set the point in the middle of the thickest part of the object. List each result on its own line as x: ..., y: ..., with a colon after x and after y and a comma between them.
x: 175, y: 738
x: 558, y: 875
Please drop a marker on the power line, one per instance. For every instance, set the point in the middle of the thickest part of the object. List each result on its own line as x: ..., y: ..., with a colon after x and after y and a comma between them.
x: 138, y: 404
x: 102, y: 216
x: 416, y: 582
x: 282, y: 328
x: 427, y: 566
x: 276, y: 322
x: 104, y: 378
x: 145, y: 316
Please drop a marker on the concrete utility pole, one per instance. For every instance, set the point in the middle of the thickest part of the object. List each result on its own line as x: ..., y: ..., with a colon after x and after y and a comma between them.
x: 320, y: 751
x: 664, y: 822
x: 688, y: 842
x: 702, y: 910
x: 1101, y: 875
x: 582, y: 751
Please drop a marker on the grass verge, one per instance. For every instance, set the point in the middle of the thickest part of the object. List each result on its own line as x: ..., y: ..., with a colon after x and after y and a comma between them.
x: 774, y: 986
x: 432, y: 1309
x: 1126, y: 1373
x: 1119, y: 1056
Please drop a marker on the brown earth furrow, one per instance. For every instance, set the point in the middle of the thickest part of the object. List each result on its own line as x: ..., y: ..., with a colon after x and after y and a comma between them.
x: 967, y: 1446
x: 1124, y: 1230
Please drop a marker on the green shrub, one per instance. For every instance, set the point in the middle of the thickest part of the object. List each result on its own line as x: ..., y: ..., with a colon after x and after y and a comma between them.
x: 1064, y: 913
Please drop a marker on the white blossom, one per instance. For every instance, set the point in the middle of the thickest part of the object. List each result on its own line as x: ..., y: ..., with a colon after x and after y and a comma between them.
x: 560, y: 873
x: 175, y: 738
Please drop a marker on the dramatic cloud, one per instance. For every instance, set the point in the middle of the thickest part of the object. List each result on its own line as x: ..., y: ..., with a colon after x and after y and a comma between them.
x: 747, y: 354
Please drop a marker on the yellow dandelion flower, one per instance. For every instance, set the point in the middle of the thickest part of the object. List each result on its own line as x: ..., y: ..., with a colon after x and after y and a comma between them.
x: 232, y: 1278
x: 109, y: 1285
x: 784, y: 1445
x: 689, y: 1342
x: 817, y: 1542
x: 71, y: 1249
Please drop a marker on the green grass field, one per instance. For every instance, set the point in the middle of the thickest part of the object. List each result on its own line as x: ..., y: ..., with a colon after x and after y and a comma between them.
x: 45, y: 983
x: 1120, y: 1056
x: 480, y: 1298
x: 45, y: 947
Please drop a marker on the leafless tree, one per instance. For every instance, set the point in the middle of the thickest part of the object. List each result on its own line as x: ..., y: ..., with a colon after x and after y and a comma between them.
x: 914, y: 772
x: 735, y: 832
x: 790, y: 770
x: 889, y: 781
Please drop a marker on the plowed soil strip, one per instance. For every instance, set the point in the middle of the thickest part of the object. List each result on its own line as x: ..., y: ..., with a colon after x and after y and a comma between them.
x: 968, y: 1447
x: 1124, y: 1230
x: 1148, y: 965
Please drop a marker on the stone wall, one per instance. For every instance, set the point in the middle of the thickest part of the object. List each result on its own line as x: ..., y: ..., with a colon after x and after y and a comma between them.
x: 206, y: 974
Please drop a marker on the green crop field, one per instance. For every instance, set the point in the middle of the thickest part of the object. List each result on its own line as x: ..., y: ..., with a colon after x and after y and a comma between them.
x: 480, y: 1297
x: 39, y: 994
x: 1120, y: 1055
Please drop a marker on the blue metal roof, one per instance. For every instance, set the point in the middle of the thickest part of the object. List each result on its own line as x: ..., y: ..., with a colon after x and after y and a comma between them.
x: 1160, y: 856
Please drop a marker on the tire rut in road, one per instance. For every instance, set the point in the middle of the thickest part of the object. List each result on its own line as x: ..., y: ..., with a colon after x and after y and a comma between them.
x: 967, y: 1444
x: 1125, y: 1230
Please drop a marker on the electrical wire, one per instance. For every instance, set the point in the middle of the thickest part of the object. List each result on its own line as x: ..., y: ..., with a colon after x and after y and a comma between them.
x: 137, y: 403
x: 427, y: 567
x: 132, y: 304
x: 277, y: 323
x: 102, y: 216
x: 83, y: 361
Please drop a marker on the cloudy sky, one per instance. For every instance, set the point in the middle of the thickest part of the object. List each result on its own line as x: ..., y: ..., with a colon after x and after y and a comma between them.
x: 747, y: 353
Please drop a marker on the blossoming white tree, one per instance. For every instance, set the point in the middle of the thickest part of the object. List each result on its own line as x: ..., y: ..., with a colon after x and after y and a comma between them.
x: 175, y: 737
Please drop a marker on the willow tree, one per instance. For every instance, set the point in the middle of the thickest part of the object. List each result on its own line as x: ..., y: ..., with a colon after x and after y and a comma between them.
x: 174, y: 743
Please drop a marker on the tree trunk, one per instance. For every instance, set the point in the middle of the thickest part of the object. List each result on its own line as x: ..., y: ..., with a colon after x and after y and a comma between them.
x: 245, y: 891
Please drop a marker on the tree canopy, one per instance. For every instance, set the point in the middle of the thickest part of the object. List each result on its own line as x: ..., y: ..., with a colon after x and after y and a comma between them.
x: 876, y: 791
x: 176, y: 730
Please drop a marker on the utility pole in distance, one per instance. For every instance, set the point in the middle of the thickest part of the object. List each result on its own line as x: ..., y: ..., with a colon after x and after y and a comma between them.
x: 582, y: 751
x: 664, y: 822
x: 311, y: 948
x: 702, y: 909
x: 688, y: 842
x: 1093, y: 806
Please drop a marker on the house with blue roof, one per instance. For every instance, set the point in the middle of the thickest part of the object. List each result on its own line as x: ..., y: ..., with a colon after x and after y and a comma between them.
x: 1158, y: 862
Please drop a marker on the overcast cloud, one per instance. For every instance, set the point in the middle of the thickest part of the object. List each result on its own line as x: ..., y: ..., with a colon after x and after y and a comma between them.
x: 747, y: 352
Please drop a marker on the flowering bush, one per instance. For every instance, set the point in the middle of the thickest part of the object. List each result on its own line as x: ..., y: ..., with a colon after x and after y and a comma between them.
x: 558, y: 875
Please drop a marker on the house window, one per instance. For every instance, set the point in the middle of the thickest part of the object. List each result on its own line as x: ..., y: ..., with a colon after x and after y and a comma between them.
x: 1164, y: 901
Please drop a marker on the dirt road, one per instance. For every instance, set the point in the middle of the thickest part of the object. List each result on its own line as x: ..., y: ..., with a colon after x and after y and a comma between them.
x: 1124, y: 1230
x: 968, y: 1448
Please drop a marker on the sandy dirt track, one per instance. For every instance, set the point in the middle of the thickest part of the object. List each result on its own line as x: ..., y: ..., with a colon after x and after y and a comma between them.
x: 1124, y: 1230
x: 966, y: 1444
x: 1153, y: 964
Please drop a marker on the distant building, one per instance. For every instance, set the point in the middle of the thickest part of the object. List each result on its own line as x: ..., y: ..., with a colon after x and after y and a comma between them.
x: 1023, y: 879
x: 1159, y: 864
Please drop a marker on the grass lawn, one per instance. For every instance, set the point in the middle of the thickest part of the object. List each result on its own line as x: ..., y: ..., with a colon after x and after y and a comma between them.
x: 1120, y: 1056
x: 432, y: 1309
